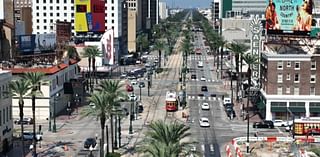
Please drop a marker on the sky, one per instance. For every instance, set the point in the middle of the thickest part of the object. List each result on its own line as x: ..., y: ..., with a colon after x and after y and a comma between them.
x: 188, y: 3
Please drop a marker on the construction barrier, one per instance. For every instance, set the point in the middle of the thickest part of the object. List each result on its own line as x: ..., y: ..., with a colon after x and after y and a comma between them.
x: 228, y: 150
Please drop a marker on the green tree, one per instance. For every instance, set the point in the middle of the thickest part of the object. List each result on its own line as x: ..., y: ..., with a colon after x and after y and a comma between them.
x: 116, y: 91
x: 91, y: 52
x: 102, y: 108
x: 19, y: 89
x: 165, y: 140
x: 142, y: 42
x: 238, y: 49
x: 159, y: 45
x: 35, y: 79
x: 72, y: 53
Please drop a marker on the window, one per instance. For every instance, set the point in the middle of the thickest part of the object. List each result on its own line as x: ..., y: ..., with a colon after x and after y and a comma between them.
x: 65, y: 14
x: 58, y: 14
x: 297, y: 65
x: 288, y: 76
x: 72, y: 14
x: 280, y: 65
x: 37, y: 14
x: 312, y: 91
x: 44, y: 27
x: 51, y: 7
x: 37, y: 7
x: 51, y: 14
x: 313, y: 65
x: 65, y: 8
x: 38, y: 20
x: 44, y: 14
x: 44, y: 20
x: 279, y: 90
x: 296, y: 78
x: 112, y: 21
x: 44, y: 1
x: 37, y: 1
x: 51, y: 21
x: 57, y: 7
x: 64, y: 1
x: 58, y: 1
x: 288, y: 64
x: 288, y: 90
x: 279, y: 78
x: 112, y: 8
x: 313, y: 79
x: 51, y: 27
x: 112, y: 14
x: 38, y: 27
x: 44, y: 8
x: 112, y: 1
x: 296, y: 91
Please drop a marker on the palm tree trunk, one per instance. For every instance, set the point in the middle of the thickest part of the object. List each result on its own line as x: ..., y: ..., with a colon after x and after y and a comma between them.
x: 237, y: 71
x: 34, y: 124
x: 240, y: 83
x: 159, y: 58
x: 217, y: 55
x: 221, y: 55
x: 102, y: 123
x: 21, y: 124
x: 94, y: 70
x: 248, y: 101
x: 111, y: 125
x: 89, y: 72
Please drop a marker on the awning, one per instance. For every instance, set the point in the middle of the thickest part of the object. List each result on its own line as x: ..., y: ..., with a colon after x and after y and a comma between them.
x: 314, y: 109
x: 297, y: 109
x: 278, y: 109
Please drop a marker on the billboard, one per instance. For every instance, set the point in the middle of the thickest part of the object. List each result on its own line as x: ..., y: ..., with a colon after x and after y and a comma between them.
x: 29, y: 44
x: 289, y: 16
x: 107, y: 42
x: 1, y: 10
x: 26, y: 44
x: 89, y: 16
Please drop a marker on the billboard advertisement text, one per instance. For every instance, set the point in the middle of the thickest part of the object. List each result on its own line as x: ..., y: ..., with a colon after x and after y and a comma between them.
x: 89, y: 16
x: 289, y: 16
x: 107, y: 42
x: 40, y: 43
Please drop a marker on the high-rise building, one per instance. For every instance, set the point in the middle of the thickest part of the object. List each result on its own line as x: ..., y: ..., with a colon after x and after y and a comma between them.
x: 150, y: 14
x: 124, y: 29
x: 46, y: 13
x: 136, y: 5
x: 132, y: 19
x: 163, y: 11
x: 7, y: 40
x: 240, y: 7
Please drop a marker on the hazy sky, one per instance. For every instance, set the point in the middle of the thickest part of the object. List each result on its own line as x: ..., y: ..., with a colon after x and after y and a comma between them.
x: 188, y: 3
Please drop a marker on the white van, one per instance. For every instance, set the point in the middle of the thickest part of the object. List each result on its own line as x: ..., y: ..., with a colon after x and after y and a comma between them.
x: 200, y: 64
x: 226, y: 101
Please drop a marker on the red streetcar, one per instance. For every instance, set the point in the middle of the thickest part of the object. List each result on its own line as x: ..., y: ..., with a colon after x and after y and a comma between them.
x: 307, y: 126
x: 171, y: 101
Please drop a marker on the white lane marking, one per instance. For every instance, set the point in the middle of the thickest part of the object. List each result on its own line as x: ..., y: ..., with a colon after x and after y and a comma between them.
x: 209, y: 98
x: 193, y: 97
x: 199, y: 97
x: 204, y: 98
x: 202, y: 147
x: 214, y: 98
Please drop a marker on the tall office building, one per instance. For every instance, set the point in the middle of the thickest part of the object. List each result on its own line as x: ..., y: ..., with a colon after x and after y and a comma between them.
x: 163, y: 11
x: 132, y: 19
x: 45, y: 13
x: 240, y: 7
x: 136, y: 5
x: 150, y: 14
x: 124, y: 29
x: 7, y: 41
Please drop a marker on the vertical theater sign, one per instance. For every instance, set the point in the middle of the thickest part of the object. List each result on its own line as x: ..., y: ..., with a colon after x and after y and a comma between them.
x: 107, y: 42
x: 256, y: 27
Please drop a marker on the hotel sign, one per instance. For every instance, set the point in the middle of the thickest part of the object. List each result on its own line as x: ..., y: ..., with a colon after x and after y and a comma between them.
x: 256, y: 27
x: 1, y: 10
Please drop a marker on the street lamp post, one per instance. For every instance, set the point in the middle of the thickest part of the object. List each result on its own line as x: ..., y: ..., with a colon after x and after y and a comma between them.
x: 119, y: 129
x: 140, y: 86
x: 115, y: 132
x: 54, y: 129
x: 50, y: 116
x: 131, y: 116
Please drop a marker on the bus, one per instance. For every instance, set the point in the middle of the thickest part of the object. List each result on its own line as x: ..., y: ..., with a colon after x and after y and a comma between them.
x: 171, y: 101
x: 307, y: 126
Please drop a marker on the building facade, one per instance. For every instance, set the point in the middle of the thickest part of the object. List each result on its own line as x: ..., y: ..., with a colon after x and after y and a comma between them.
x: 132, y: 19
x: 6, y: 121
x: 289, y: 80
x: 46, y: 104
x: 249, y: 6
x: 45, y: 13
x: 163, y: 11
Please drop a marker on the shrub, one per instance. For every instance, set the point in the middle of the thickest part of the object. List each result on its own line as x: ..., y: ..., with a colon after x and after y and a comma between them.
x: 115, y: 154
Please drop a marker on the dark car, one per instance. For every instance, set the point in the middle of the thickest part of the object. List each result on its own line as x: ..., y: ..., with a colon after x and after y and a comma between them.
x: 142, y: 84
x: 90, y: 142
x: 204, y: 88
x: 228, y: 105
x: 263, y: 124
x: 193, y: 77
x: 140, y: 108
x: 230, y: 113
x: 24, y: 121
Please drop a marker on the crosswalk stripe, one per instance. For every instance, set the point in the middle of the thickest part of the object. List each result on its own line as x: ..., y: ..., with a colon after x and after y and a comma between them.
x: 209, y: 98
x: 202, y: 147
x: 199, y: 98
x: 204, y: 98
x: 214, y: 98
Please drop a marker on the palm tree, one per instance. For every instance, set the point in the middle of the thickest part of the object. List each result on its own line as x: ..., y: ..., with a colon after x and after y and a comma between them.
x: 101, y: 110
x: 159, y: 45
x: 91, y: 52
x: 34, y: 79
x: 72, y: 53
x: 116, y: 91
x: 88, y: 53
x: 165, y: 140
x: 142, y: 42
x: 238, y: 49
x: 250, y: 60
x: 19, y: 89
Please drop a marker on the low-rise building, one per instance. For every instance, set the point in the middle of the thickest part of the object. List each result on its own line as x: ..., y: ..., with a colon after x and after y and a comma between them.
x: 6, y: 121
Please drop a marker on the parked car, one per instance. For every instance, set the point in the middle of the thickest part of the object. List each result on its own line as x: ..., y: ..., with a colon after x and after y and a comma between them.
x: 29, y: 136
x: 123, y: 75
x: 24, y: 121
x: 134, y: 82
x: 231, y: 113
x: 226, y: 100
x: 263, y: 124
x: 140, y: 108
x: 132, y: 97
x: 193, y: 77
x: 203, y: 78
x: 204, y: 122
x: 90, y: 142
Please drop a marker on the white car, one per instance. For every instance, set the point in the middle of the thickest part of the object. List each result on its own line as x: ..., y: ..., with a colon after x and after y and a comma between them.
x: 200, y: 64
x: 280, y: 123
x: 205, y: 106
x: 134, y: 82
x: 203, y: 78
x: 289, y: 128
x: 204, y: 122
x: 226, y: 101
x: 132, y: 97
